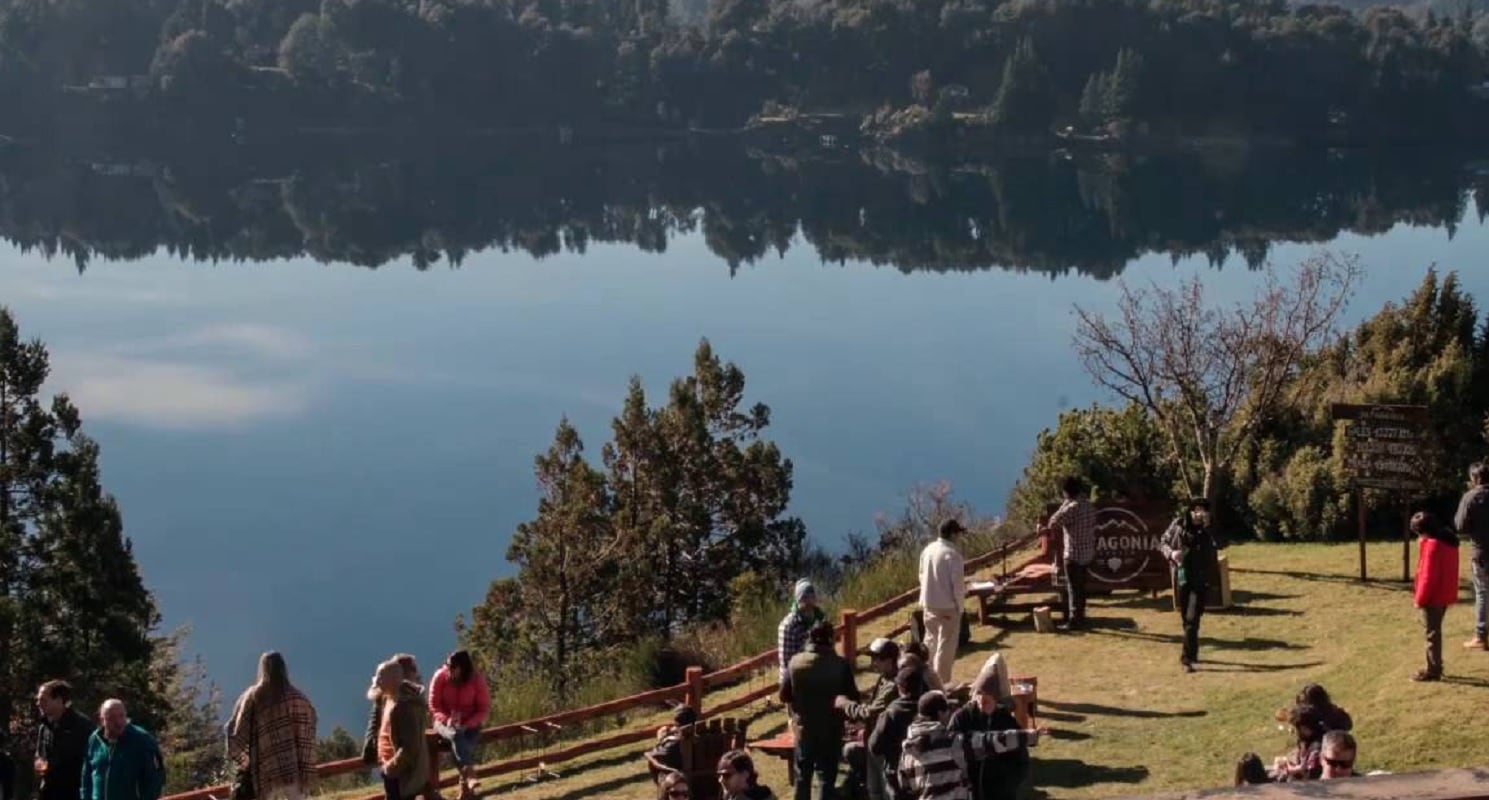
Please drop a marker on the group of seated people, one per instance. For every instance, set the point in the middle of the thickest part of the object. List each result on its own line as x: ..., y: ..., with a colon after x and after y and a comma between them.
x: 1323, y: 747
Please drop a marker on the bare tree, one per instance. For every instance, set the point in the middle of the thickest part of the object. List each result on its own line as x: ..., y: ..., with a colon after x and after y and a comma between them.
x: 1211, y: 375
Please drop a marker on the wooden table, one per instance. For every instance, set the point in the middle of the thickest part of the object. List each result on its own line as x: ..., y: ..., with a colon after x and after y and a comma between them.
x: 782, y: 746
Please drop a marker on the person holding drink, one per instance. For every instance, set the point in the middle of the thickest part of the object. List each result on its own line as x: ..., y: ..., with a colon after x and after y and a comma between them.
x: 61, y: 742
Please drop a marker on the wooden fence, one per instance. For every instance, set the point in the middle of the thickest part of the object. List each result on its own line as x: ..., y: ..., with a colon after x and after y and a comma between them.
x: 691, y: 691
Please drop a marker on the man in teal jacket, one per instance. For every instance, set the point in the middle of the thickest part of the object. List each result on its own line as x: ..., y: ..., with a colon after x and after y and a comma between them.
x: 123, y: 760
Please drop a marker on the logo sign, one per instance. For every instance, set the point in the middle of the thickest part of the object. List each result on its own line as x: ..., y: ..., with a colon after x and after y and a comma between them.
x: 1126, y: 547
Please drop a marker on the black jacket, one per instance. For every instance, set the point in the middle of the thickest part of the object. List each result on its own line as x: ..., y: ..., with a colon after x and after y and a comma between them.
x: 890, y: 731
x: 1472, y: 521
x: 63, y: 745
x: 999, y: 775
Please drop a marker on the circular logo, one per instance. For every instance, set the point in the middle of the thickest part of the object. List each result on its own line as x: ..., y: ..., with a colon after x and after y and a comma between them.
x: 1125, y: 546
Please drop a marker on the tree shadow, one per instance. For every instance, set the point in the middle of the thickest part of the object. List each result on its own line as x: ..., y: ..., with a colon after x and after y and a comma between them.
x: 1116, y: 711
x: 1067, y: 735
x: 1072, y: 773
x: 1059, y: 716
x: 1238, y: 666
x: 1321, y: 577
x: 984, y: 645
x: 1459, y: 680
x: 1247, y: 596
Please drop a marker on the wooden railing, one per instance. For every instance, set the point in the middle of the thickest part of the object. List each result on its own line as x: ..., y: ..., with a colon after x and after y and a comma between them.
x: 691, y: 691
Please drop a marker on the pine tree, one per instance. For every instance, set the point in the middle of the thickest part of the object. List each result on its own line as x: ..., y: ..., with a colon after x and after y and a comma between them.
x: 1025, y: 100
x: 1124, y: 89
x: 1094, y: 99
x: 72, y: 603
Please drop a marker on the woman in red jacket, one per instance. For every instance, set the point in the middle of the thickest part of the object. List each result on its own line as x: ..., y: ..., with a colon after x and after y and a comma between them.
x: 459, y: 700
x: 1437, y: 584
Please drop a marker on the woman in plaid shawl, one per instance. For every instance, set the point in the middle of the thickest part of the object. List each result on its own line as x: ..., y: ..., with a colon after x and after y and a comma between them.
x: 272, y: 733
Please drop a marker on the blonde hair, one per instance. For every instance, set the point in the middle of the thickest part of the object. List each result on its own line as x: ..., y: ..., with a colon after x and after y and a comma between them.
x: 384, y: 669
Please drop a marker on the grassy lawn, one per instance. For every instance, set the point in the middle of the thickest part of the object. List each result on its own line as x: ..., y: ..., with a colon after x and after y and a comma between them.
x: 1127, y: 720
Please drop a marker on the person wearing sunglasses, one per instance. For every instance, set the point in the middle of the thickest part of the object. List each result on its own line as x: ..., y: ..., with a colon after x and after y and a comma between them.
x: 1338, y: 755
x: 673, y: 786
x: 739, y: 780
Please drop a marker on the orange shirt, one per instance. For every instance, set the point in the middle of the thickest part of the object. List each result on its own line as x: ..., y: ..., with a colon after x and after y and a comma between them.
x: 385, y: 733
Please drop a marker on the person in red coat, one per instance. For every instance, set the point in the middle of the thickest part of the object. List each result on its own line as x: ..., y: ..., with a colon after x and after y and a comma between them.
x: 1437, y: 584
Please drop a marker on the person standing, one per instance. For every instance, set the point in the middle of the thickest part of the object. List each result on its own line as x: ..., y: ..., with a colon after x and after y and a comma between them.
x: 459, y: 700
x: 1191, y: 546
x: 1437, y: 585
x: 1472, y: 520
x: 818, y: 676
x: 1076, y: 518
x: 791, y: 636
x: 402, y: 754
x: 411, y: 675
x: 866, y: 770
x: 61, y: 742
x: 123, y: 760
x: 272, y: 733
x: 943, y: 592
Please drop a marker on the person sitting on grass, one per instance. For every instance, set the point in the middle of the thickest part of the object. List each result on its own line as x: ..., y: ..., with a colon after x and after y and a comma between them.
x: 1338, y: 755
x: 739, y: 780
x: 1332, y: 717
x: 666, y: 754
x: 1304, y: 763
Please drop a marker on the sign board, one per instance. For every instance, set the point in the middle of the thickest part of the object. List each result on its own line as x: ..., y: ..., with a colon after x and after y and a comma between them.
x: 1383, y: 445
x: 1127, y: 546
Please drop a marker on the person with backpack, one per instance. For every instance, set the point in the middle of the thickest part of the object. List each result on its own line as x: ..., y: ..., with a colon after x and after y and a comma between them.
x: 1437, y: 585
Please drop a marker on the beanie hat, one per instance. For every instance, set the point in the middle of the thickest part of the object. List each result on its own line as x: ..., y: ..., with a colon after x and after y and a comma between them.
x: 992, y: 679
x: 804, y: 588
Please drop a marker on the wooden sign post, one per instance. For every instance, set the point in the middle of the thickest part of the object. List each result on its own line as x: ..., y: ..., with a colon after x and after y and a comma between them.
x: 1383, y: 450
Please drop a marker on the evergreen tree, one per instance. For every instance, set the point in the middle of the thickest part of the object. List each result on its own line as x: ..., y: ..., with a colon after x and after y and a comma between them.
x: 1094, y: 99
x: 1025, y: 101
x: 1124, y: 88
x: 72, y: 603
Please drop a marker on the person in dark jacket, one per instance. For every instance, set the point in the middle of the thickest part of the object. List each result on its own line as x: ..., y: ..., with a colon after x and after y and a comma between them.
x: 934, y: 761
x: 411, y: 675
x: 738, y: 779
x: 1191, y: 546
x: 816, y: 678
x: 123, y: 760
x: 1437, y: 585
x: 893, y: 725
x: 61, y: 742
x: 865, y: 770
x: 1002, y: 774
x: 666, y: 755
x: 1472, y: 521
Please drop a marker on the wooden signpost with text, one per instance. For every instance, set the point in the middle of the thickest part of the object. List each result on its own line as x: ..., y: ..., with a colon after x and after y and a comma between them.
x: 1383, y: 450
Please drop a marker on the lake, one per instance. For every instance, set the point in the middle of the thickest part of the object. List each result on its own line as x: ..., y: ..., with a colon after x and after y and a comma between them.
x: 285, y: 427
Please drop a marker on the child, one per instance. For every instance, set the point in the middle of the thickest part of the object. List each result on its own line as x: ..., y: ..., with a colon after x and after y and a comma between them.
x: 1437, y: 584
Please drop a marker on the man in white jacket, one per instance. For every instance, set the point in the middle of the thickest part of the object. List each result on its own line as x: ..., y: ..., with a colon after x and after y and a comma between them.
x: 943, y: 590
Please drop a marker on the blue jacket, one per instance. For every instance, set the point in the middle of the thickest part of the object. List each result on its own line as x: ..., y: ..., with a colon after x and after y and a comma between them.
x: 128, y: 769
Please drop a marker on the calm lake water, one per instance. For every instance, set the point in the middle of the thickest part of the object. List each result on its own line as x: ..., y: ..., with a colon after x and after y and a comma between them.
x: 286, y: 431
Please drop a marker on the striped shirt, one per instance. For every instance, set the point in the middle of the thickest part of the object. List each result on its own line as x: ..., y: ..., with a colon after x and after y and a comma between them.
x: 933, y: 761
x: 1078, y: 519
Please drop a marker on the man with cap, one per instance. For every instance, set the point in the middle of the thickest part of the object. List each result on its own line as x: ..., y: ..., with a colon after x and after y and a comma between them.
x: 943, y: 592
x: 1002, y: 774
x: 791, y: 636
x: 865, y: 770
x: 1191, y: 546
x: 817, y: 676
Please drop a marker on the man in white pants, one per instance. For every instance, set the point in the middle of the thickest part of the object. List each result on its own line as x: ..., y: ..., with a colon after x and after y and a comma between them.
x: 943, y: 590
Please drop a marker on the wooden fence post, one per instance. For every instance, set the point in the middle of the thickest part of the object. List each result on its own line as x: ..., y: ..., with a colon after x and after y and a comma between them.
x: 695, y: 688
x: 850, y: 637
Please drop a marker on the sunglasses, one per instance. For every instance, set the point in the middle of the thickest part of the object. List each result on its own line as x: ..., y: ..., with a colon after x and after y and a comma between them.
x: 677, y: 792
x: 1340, y: 763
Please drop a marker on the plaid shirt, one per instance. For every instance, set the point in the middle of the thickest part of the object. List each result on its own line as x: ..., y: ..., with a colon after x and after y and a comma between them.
x: 1078, y: 518
x: 275, y: 740
x: 791, y: 637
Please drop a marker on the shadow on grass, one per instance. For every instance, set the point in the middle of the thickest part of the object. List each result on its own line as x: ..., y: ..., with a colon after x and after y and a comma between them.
x: 1059, y: 716
x: 1249, y: 644
x: 1206, y: 664
x: 1072, y: 773
x: 1256, y: 611
x: 1322, y: 577
x: 1459, y: 680
x: 1065, y: 735
x: 1114, y: 711
x: 983, y: 645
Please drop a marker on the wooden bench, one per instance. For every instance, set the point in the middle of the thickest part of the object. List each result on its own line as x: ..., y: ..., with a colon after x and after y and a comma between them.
x: 702, y: 745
